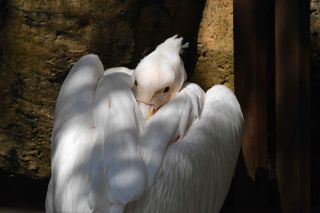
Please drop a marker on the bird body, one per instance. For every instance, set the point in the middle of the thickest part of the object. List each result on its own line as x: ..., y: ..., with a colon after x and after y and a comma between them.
x: 196, y: 171
x: 108, y: 156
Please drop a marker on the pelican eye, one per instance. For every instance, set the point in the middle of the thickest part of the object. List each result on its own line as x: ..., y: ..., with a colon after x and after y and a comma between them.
x: 167, y: 89
x: 135, y: 83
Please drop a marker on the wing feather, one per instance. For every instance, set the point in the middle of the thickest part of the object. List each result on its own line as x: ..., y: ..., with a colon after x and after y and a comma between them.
x: 169, y: 123
x: 197, y: 171
x: 117, y: 170
x: 72, y: 138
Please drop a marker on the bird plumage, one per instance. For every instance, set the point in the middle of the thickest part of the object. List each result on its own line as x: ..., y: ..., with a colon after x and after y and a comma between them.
x: 196, y: 171
x: 117, y: 171
x: 107, y: 158
x: 71, y: 138
x: 96, y: 163
x: 163, y: 68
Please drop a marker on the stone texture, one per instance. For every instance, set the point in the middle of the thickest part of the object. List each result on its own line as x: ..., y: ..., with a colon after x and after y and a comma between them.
x: 41, y: 39
x: 215, y: 45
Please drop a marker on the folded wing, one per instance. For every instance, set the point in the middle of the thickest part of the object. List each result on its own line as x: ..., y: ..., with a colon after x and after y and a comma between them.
x: 117, y: 171
x: 96, y: 163
x: 72, y: 138
x: 197, y: 170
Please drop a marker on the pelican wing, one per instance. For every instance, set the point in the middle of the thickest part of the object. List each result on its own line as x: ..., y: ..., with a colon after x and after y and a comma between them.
x: 169, y: 124
x: 196, y: 171
x: 96, y: 163
x: 117, y: 170
x: 72, y: 138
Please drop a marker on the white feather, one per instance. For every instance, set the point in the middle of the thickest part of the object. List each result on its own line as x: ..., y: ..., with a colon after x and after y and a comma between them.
x: 106, y: 158
x: 161, y: 68
x: 73, y: 137
x: 169, y: 123
x: 172, y: 45
x: 196, y: 172
x: 193, y: 174
x: 117, y: 171
x: 96, y: 163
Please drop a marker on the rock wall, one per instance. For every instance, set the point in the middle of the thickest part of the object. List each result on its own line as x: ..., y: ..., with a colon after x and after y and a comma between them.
x: 215, y: 45
x: 41, y: 39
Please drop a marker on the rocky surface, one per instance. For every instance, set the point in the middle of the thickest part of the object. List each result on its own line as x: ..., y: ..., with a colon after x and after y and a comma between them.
x: 41, y: 39
x: 215, y: 45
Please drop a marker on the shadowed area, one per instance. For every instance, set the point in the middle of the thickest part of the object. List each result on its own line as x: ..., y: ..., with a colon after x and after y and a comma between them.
x: 40, y: 41
x: 22, y: 194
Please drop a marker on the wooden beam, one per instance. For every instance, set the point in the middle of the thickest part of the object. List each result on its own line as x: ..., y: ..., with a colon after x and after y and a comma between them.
x: 292, y: 104
x: 253, y: 43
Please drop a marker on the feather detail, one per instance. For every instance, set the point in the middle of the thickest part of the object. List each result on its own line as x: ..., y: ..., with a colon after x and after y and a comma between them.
x: 173, y: 45
x: 117, y: 171
x: 170, y: 121
x: 96, y: 163
x: 73, y: 137
x: 105, y: 158
x: 196, y: 172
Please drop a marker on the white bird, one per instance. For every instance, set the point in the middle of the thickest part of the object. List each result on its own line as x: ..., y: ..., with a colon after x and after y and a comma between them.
x: 192, y: 173
x: 107, y: 158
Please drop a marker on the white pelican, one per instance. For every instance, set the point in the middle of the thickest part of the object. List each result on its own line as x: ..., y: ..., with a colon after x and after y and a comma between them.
x: 107, y: 158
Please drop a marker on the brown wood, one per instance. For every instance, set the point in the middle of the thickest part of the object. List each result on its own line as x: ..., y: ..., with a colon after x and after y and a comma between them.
x: 252, y: 62
x: 292, y: 104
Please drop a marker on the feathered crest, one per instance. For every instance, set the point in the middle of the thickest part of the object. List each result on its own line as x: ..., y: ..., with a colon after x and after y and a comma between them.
x: 174, y: 44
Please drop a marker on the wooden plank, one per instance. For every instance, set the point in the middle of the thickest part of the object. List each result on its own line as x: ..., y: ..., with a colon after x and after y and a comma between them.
x: 292, y: 104
x: 252, y: 37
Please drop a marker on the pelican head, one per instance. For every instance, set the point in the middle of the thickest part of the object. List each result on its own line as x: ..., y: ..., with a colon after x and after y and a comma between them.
x: 160, y: 75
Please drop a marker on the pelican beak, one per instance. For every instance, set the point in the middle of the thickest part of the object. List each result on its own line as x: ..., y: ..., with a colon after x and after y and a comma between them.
x: 151, y: 112
x: 147, y: 110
